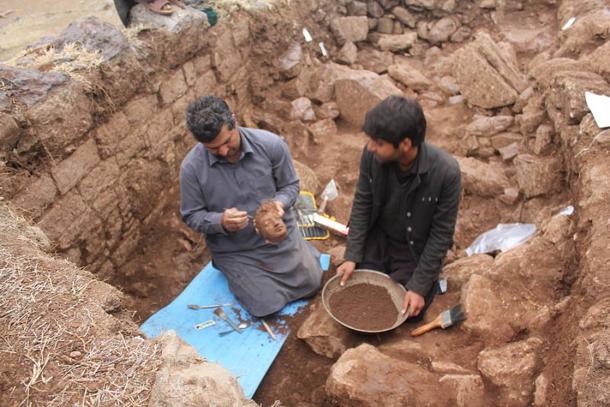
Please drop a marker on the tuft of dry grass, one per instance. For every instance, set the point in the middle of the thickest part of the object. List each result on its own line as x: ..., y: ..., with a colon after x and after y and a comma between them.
x: 57, y: 335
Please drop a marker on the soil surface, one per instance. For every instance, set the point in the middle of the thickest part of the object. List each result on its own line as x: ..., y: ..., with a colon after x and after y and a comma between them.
x: 25, y: 22
x: 364, y: 306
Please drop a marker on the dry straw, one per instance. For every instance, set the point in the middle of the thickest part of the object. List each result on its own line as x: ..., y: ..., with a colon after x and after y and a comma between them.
x: 49, y: 323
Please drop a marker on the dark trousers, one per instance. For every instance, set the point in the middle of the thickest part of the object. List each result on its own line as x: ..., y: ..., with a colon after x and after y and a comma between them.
x: 384, y: 254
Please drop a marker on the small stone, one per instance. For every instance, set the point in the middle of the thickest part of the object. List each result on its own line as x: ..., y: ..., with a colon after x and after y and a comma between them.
x: 302, y: 110
x: 510, y: 196
x: 357, y: 8
x: 374, y: 9
x: 509, y: 152
x: 540, y: 395
x: 290, y: 62
x: 544, y: 138
x: 323, y: 130
x: 398, y: 29
x: 348, y: 54
x: 405, y: 17
x: 396, y: 43
x: 385, y: 25
x: 454, y: 100
x: 449, y: 85
x: 328, y: 110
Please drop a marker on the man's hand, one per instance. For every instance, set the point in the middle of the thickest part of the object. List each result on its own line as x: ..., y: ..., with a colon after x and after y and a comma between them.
x: 280, y: 207
x: 234, y: 220
x: 346, y: 269
x: 415, y: 301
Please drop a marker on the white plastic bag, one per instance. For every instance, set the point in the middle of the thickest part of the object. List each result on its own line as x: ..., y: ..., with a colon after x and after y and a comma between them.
x: 503, y: 237
x: 330, y: 192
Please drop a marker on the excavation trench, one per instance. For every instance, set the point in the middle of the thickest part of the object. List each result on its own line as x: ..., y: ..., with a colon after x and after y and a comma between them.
x: 99, y: 176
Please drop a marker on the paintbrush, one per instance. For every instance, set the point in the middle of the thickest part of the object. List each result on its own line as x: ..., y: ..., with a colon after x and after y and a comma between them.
x: 444, y: 320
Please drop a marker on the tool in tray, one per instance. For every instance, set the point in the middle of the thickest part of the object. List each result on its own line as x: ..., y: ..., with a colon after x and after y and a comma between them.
x: 305, y: 209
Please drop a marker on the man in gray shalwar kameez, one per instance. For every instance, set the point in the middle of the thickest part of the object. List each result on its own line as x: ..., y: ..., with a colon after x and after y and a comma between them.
x: 223, y: 180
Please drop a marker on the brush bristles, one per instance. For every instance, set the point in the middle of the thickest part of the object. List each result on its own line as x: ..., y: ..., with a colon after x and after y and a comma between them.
x: 457, y: 314
x: 452, y: 316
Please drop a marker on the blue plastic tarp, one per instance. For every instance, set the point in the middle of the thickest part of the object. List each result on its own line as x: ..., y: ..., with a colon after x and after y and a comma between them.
x: 247, y: 355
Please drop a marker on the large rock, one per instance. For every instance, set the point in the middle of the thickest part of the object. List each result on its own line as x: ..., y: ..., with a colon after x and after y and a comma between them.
x: 375, y: 60
x: 512, y: 369
x: 568, y: 92
x: 360, y: 92
x: 460, y: 271
x: 488, y: 76
x: 534, y: 269
x: 94, y: 35
x: 490, y: 312
x: 488, y: 126
x: 409, y: 76
x: 395, y: 43
x: 322, y: 81
x: 544, y: 71
x: 185, y: 379
x: 538, y: 175
x: 29, y: 86
x: 479, y: 178
x: 58, y: 123
x: 599, y: 60
x: 366, y: 377
x: 588, y: 32
x: 290, y: 62
x: 352, y: 29
x: 439, y: 31
x: 323, y: 335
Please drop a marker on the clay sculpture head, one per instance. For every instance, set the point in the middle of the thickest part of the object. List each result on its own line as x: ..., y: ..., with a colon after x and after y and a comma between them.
x: 269, y: 223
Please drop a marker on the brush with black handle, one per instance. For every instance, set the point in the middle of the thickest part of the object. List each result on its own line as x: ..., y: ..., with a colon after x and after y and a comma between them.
x: 444, y: 320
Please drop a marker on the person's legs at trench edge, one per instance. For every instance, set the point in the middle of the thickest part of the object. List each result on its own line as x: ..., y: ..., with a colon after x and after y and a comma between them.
x: 381, y: 255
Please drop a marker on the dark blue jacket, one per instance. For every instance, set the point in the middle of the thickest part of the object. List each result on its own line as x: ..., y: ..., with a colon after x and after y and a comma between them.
x: 432, y: 208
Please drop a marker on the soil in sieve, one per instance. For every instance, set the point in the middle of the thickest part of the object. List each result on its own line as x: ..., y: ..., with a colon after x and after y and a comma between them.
x: 364, y: 306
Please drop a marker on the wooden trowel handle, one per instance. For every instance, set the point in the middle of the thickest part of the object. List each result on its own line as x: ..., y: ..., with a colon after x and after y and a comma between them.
x: 436, y: 323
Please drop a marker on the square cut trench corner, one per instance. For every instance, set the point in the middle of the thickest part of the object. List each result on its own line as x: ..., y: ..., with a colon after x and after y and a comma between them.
x: 248, y: 355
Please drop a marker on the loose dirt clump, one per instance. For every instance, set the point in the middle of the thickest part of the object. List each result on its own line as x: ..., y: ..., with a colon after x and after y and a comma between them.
x: 364, y: 306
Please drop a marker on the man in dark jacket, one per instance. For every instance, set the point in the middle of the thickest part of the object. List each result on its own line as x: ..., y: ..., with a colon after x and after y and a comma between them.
x: 406, y: 203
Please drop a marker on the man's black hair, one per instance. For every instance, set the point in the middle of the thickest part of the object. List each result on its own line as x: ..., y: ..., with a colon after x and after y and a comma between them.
x: 394, y: 119
x: 206, y: 116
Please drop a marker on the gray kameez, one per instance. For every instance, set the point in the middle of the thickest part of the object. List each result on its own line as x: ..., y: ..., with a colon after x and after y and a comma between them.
x: 263, y: 277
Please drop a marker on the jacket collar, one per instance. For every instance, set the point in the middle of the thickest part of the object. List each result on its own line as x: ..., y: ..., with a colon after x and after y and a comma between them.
x: 423, y: 158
